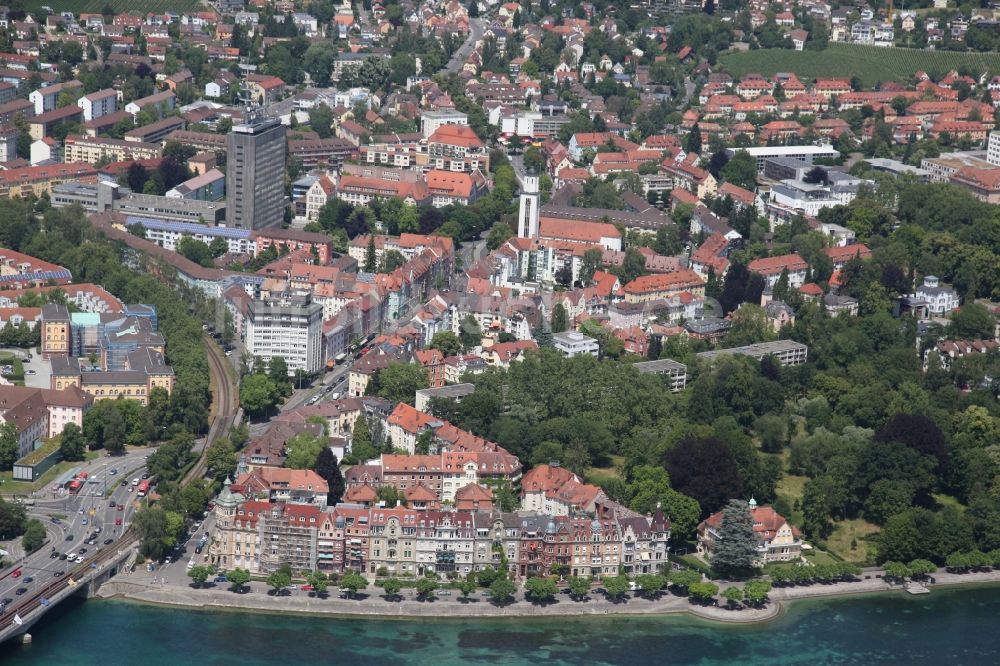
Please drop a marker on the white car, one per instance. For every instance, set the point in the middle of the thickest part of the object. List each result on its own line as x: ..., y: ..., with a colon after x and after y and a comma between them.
x: 135, y: 481
x: 79, y: 559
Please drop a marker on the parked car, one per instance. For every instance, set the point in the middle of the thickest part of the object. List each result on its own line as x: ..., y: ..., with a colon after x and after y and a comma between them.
x: 118, y: 521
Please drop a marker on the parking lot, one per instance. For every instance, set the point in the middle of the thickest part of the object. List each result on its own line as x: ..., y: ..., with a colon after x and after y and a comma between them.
x: 37, y: 371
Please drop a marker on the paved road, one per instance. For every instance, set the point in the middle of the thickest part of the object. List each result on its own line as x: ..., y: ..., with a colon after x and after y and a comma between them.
x: 477, y: 27
x: 78, y: 517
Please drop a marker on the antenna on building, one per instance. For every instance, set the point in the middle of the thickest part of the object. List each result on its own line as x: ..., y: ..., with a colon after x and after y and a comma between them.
x: 253, y: 112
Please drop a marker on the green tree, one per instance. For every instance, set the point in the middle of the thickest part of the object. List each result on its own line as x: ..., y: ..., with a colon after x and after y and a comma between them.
x: 579, y: 587
x: 392, y: 586
x: 733, y: 596
x: 502, y: 590
x: 756, y: 591
x: 371, y: 258
x: 199, y: 574
x: 741, y: 170
x: 469, y: 332
x: 220, y: 459
x: 319, y: 582
x: 258, y: 394
x: 650, y: 585
x: 467, y: 587
x: 399, y: 382
x: 195, y: 250
x: 328, y: 468
x: 8, y: 445
x: 692, y: 142
x: 158, y: 530
x: 353, y: 583
x: 499, y: 233
x: 13, y: 517
x: 34, y: 535
x: 593, y: 260
x: 684, y: 579
x: 426, y: 588
x: 218, y: 247
x: 736, y: 548
x: 973, y: 321
x: 321, y: 120
x: 447, y: 343
x: 703, y: 592
x: 921, y: 568
x: 616, y: 586
x: 540, y: 589
x: 277, y: 370
x: 71, y: 442
x: 237, y: 579
x: 278, y: 581
x: 896, y: 570
x: 560, y: 319
x: 303, y: 450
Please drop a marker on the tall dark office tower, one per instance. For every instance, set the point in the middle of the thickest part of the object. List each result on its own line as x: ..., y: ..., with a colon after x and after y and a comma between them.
x: 255, y: 173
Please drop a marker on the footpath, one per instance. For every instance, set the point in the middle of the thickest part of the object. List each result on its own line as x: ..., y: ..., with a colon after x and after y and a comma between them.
x: 137, y: 587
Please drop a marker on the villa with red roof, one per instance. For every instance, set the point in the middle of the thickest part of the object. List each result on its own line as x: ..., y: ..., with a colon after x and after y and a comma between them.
x: 778, y: 541
x: 770, y: 268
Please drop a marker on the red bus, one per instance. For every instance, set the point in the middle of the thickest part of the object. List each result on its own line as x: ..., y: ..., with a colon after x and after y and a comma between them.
x: 74, y: 486
x: 143, y: 488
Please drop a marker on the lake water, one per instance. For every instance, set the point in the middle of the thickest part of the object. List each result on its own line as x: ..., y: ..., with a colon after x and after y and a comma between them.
x: 957, y: 626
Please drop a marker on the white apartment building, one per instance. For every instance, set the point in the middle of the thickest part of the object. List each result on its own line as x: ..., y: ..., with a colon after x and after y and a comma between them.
x: 574, y: 343
x: 290, y: 327
x: 97, y: 104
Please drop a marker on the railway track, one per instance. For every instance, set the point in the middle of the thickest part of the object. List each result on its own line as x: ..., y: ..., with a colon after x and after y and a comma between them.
x: 226, y: 408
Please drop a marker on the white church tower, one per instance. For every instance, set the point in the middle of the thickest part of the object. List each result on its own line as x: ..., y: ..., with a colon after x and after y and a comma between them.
x: 528, y: 213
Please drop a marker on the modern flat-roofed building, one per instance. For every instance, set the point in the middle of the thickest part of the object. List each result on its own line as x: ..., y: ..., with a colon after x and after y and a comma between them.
x: 255, y: 173
x: 574, y: 343
x: 78, y: 148
x: 787, y: 352
x: 290, y: 327
x: 167, y: 233
x: 453, y: 392
x: 806, y: 153
x: 675, y: 372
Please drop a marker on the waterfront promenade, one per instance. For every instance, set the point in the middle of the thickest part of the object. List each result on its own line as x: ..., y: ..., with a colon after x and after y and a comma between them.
x: 138, y: 587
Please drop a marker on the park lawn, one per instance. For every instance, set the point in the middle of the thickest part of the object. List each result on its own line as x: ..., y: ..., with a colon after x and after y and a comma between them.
x: 141, y: 7
x: 596, y: 474
x: 816, y: 556
x: 844, y: 532
x: 791, y: 487
x: 947, y: 500
x: 871, y: 64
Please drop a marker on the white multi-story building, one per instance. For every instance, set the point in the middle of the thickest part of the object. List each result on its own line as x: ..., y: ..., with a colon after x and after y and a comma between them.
x: 993, y: 148
x: 940, y: 298
x: 97, y: 104
x: 574, y: 343
x: 431, y: 120
x: 290, y: 327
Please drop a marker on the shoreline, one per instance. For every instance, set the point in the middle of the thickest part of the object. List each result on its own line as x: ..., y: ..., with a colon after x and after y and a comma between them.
x: 479, y: 608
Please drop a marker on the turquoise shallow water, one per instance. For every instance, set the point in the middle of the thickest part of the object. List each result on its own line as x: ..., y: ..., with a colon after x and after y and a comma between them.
x: 957, y: 626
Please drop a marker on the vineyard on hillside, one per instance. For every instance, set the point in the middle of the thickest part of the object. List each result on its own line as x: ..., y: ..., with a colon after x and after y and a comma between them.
x: 95, y: 6
x: 869, y: 63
